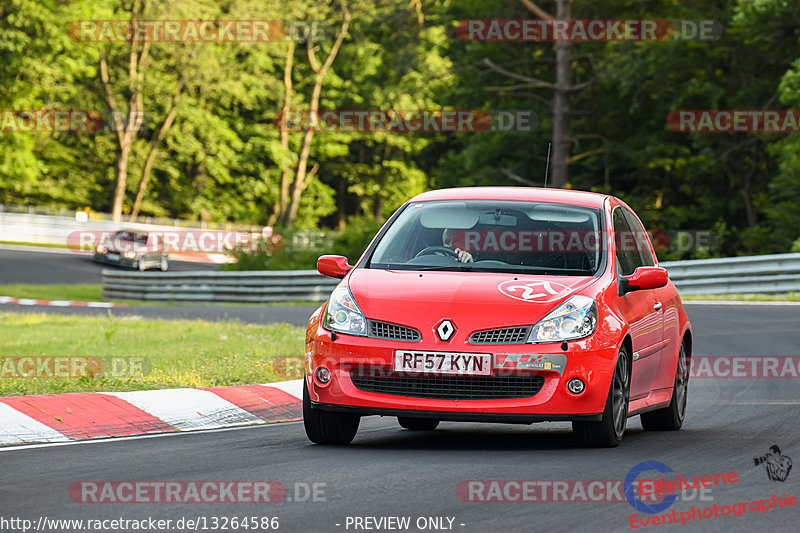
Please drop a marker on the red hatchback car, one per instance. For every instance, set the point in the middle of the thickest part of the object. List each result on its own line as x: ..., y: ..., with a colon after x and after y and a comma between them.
x: 493, y: 304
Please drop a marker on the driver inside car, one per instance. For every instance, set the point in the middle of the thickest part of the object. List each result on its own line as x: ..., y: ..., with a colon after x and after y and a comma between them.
x: 447, y: 240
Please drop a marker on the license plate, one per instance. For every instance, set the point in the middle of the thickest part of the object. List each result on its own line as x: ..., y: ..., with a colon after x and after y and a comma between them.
x: 113, y: 257
x: 465, y: 364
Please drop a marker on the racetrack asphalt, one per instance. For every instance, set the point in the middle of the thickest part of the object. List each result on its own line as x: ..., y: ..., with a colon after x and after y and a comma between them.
x: 62, y: 267
x: 33, y: 267
x: 388, y: 471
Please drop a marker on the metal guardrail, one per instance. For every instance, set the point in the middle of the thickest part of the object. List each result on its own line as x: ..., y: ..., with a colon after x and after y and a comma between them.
x: 37, y: 228
x: 245, y: 286
x: 763, y: 273
x: 61, y: 215
x: 775, y: 273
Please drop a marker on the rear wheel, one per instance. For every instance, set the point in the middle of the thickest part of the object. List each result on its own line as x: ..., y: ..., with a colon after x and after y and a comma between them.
x: 608, y: 432
x: 326, y: 427
x: 418, y: 424
x: 164, y: 265
x: 670, y: 418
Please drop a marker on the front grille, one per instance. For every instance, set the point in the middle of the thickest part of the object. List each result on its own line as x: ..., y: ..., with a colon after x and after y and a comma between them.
x: 384, y: 330
x: 447, y: 387
x: 501, y: 336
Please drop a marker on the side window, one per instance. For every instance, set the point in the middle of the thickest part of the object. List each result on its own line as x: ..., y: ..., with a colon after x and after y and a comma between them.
x: 628, y: 258
x: 640, y: 239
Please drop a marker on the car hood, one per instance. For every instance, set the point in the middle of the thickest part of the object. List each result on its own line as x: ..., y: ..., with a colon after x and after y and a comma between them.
x: 473, y: 300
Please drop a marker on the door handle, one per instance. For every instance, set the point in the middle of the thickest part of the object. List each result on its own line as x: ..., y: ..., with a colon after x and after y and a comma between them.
x: 657, y: 306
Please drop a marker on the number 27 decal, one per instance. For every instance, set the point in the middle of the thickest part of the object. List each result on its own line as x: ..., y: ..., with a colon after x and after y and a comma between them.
x: 532, y: 290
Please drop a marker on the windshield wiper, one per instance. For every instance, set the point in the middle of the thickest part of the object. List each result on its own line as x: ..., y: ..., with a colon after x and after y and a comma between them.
x: 477, y: 267
x: 405, y: 266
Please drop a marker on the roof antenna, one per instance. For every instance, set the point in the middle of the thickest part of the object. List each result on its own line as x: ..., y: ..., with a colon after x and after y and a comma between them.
x: 547, y: 167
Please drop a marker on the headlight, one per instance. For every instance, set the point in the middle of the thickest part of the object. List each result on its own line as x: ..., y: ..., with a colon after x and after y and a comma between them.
x: 101, y: 249
x: 574, y: 319
x: 343, y: 315
x: 130, y: 254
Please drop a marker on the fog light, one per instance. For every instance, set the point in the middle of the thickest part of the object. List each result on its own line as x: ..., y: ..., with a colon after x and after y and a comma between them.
x: 323, y: 374
x: 575, y: 386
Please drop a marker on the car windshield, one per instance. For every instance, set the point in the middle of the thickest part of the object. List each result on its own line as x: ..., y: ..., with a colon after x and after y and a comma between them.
x: 135, y: 237
x: 493, y: 236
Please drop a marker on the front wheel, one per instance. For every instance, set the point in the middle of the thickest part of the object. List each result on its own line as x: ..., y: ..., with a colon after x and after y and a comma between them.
x: 417, y: 424
x: 670, y: 418
x: 164, y: 264
x: 608, y: 432
x: 326, y: 427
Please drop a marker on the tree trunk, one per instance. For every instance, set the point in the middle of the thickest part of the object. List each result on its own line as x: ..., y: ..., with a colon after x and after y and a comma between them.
x: 122, y: 180
x: 148, y: 166
x: 126, y: 133
x: 341, y: 198
x: 156, y: 140
x: 283, y: 201
x: 561, y: 109
x: 154, y: 145
x: 302, y: 176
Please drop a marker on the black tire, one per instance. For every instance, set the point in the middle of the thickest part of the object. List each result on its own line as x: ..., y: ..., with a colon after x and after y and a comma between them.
x: 670, y: 418
x: 140, y: 265
x: 418, y: 424
x: 609, y: 431
x: 164, y: 264
x: 327, y: 427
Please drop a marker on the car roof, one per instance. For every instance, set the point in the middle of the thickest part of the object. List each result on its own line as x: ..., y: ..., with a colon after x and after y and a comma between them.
x: 525, y: 194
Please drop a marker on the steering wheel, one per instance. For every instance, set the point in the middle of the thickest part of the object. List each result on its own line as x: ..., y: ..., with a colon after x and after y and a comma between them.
x: 441, y: 250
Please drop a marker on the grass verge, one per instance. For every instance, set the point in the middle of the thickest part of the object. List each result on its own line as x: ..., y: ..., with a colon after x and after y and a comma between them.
x: 78, y: 293
x: 36, y: 244
x: 176, y: 353
x: 94, y: 293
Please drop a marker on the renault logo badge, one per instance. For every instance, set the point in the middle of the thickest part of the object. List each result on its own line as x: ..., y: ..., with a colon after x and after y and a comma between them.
x: 445, y: 330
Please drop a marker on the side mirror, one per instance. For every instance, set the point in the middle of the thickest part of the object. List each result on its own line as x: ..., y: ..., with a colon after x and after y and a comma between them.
x: 334, y: 266
x: 643, y: 278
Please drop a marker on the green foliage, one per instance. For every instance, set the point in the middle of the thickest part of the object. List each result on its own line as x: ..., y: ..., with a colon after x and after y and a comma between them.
x: 350, y: 242
x: 222, y: 160
x: 354, y: 239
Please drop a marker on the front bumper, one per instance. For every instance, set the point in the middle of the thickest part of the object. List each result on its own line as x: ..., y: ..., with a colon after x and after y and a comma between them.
x: 460, y: 416
x: 586, y: 359
x: 121, y: 260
